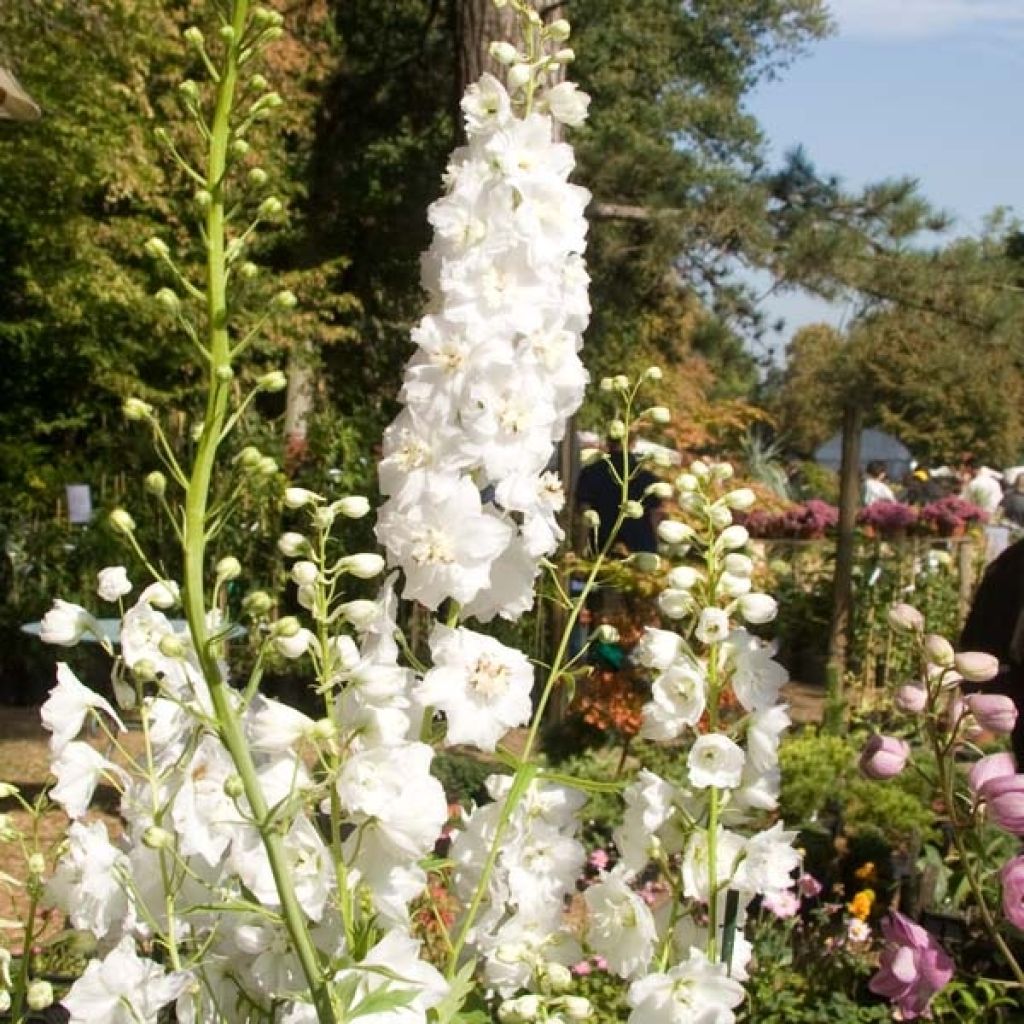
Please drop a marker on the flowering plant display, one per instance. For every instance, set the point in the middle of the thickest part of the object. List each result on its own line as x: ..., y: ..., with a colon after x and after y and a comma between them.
x: 802, y: 521
x: 946, y: 708
x: 273, y: 866
x: 952, y: 513
x: 888, y: 516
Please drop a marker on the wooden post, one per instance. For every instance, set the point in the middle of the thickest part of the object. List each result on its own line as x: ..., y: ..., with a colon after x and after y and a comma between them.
x: 849, y: 502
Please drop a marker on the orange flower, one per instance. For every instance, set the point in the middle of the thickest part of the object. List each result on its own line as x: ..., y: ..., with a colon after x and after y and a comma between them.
x: 861, y: 904
x: 866, y: 872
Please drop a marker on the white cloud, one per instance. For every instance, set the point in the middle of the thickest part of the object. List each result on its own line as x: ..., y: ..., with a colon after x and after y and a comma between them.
x: 915, y: 19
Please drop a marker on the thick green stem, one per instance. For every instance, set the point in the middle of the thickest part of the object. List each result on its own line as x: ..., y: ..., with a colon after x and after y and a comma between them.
x: 196, y: 510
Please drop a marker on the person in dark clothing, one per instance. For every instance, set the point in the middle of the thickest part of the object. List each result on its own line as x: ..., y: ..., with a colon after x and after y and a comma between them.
x: 1013, y: 502
x: 996, y: 625
x: 598, y: 489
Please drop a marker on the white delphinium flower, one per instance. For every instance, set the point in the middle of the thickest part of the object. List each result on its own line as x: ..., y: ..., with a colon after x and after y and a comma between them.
x: 715, y: 760
x: 273, y: 726
x: 679, y: 698
x: 65, y: 710
x: 526, y: 945
x: 757, y: 679
x: 658, y: 648
x: 687, y: 934
x: 764, y: 730
x: 269, y: 965
x: 650, y: 804
x: 65, y: 624
x: 567, y: 104
x: 203, y: 813
x: 78, y: 769
x: 729, y: 848
x: 696, y: 991
x: 620, y: 926
x: 112, y: 583
x: 86, y: 883
x: 162, y: 594
x: 542, y: 867
x: 758, y: 608
x: 768, y: 862
x: 712, y: 626
x: 482, y: 686
x: 123, y: 988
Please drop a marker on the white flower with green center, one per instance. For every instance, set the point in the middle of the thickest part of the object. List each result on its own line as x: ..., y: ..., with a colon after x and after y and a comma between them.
x: 694, y: 992
x: 620, y: 926
x: 679, y: 701
x: 482, y: 686
x: 715, y: 760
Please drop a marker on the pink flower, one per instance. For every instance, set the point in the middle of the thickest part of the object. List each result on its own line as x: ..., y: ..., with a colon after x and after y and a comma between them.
x: 1004, y: 797
x: 782, y: 904
x: 993, y: 711
x: 599, y: 859
x: 600, y: 963
x: 912, y: 967
x: 809, y: 886
x: 911, y: 698
x: 582, y: 969
x: 987, y: 768
x: 884, y: 757
x: 1012, y: 877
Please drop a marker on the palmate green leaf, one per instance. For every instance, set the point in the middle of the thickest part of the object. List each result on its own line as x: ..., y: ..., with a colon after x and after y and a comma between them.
x: 586, y: 785
x: 460, y: 987
x: 381, y: 1001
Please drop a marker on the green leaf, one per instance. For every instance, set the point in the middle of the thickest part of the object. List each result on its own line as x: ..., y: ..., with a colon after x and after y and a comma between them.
x: 459, y: 989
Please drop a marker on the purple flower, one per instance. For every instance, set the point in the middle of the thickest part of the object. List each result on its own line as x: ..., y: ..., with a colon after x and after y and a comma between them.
x: 994, y: 766
x: 912, y: 967
x: 1012, y: 877
x: 911, y: 698
x: 884, y: 757
x: 1004, y: 797
x: 888, y: 516
x: 952, y: 511
x: 809, y: 886
x: 993, y: 711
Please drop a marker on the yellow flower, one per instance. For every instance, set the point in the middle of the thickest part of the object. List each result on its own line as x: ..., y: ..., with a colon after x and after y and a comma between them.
x: 866, y: 872
x: 861, y: 904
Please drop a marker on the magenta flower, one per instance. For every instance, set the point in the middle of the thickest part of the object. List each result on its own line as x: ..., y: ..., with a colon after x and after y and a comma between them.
x: 884, y: 757
x: 994, y: 766
x: 993, y: 711
x: 1004, y: 797
x: 912, y: 967
x: 809, y: 886
x: 1012, y: 877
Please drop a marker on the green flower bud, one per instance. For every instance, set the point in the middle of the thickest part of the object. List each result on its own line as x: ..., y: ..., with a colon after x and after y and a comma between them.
x: 565, y: 56
x: 227, y: 33
x: 288, y: 626
x: 155, y: 483
x: 248, y: 270
x: 121, y: 522
x: 157, y: 248
x: 355, y: 506
x: 144, y: 670
x: 172, y: 646
x: 250, y: 457
x: 36, y: 865
x: 258, y: 177
x: 267, y: 467
x: 7, y: 790
x: 168, y: 299
x: 503, y: 53
x: 258, y: 82
x: 616, y: 430
x: 193, y: 36
x: 273, y: 381
x: 239, y: 148
x: 284, y: 300
x: 234, y: 787
x: 559, y: 30
x: 271, y: 207
x: 157, y: 838
x: 224, y: 374
x: 39, y: 994
x: 189, y: 89
x: 229, y: 568
x: 203, y: 199
x: 257, y: 603
x: 135, y: 409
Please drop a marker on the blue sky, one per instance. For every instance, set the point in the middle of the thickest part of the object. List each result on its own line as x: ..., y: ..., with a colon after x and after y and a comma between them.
x: 928, y: 88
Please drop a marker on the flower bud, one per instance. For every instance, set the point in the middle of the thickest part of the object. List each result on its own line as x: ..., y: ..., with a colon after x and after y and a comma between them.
x: 273, y: 381
x: 503, y: 53
x: 240, y: 148
x: 673, y: 532
x: 660, y: 489
x: 298, y: 497
x: 734, y: 537
x: 7, y: 790
x: 911, y: 698
x: 293, y: 645
x: 675, y: 604
x: 156, y: 248
x: 354, y: 507
x: 684, y: 577
x: 653, y: 373
x: 248, y: 270
x: 1004, y: 798
x: 36, y: 865
x: 557, y: 976
x: 976, y: 666
x: 193, y: 36
x: 305, y: 574
x: 616, y: 430
x: 203, y: 198
x: 234, y: 787
x: 249, y: 457
x: 884, y: 757
x: 659, y: 414
x: 144, y: 670
x: 323, y: 517
x: 323, y: 729
x: 121, y: 522
x: 686, y: 483
x: 741, y: 499
x: 607, y: 384
x: 906, y: 618
x: 644, y: 561
x: 565, y: 56
x: 722, y: 471
x: 287, y: 626
x: 168, y: 299
x: 291, y: 544
x: 266, y: 467
x: 284, y: 301
x: 700, y: 469
x: 39, y: 994
x: 939, y: 651
x: 157, y: 838
x: 592, y: 519
x: 361, y: 614
x: 189, y: 90
x: 993, y: 711
x: 364, y: 566
x: 738, y: 565
x: 270, y: 208
x: 588, y: 456
x: 720, y: 516
x: 135, y: 409
x: 518, y: 76
x: 606, y: 633
x: 156, y: 483
x: 577, y: 1007
x: 229, y: 568
x: 758, y: 608
x: 172, y: 646
x: 633, y: 510
x: 731, y: 586
x: 257, y: 603
x: 227, y: 33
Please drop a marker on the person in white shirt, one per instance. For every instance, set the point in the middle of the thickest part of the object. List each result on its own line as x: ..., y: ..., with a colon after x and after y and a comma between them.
x: 875, y: 487
x: 985, y: 490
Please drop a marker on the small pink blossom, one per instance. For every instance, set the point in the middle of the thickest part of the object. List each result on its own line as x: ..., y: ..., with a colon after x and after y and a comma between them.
x: 993, y: 711
x: 1004, y: 797
x: 582, y: 969
x: 809, y: 886
x: 599, y: 859
x: 782, y: 904
x: 884, y: 757
x: 912, y: 968
x: 987, y: 768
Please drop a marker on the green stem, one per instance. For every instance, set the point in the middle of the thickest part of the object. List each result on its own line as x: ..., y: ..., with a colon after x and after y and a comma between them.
x: 196, y: 506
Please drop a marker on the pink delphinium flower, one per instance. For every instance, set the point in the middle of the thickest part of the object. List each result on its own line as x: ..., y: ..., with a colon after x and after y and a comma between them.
x: 912, y: 968
x: 1012, y: 877
x: 1004, y: 797
x: 993, y: 711
x: 987, y: 768
x: 884, y: 757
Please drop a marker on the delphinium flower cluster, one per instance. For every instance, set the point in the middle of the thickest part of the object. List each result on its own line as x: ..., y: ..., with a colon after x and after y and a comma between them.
x: 272, y: 864
x: 945, y: 709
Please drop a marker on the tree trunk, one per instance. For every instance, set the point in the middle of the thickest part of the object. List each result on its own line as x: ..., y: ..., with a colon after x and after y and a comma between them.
x: 478, y: 23
x: 298, y: 403
x: 849, y: 502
